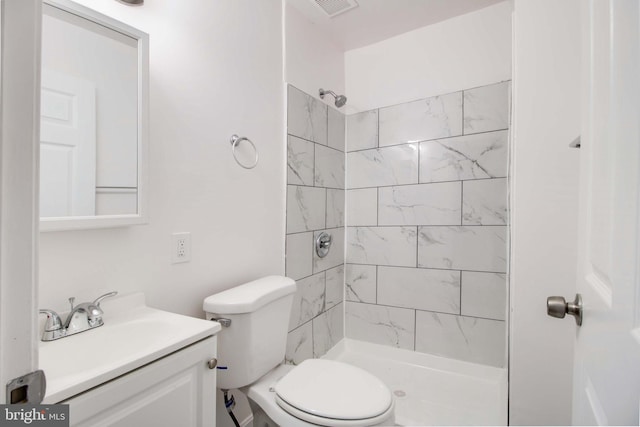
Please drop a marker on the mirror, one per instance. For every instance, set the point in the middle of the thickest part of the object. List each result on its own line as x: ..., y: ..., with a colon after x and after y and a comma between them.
x: 93, y: 126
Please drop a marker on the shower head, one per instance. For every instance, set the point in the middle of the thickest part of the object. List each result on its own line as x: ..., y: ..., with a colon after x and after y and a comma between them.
x: 340, y: 99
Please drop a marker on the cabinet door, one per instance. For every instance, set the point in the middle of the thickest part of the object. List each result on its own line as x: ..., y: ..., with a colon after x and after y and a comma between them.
x: 177, y: 390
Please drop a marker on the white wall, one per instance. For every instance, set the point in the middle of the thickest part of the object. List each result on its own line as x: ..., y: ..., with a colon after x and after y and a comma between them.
x: 312, y: 61
x: 546, y: 103
x: 460, y: 53
x: 210, y: 78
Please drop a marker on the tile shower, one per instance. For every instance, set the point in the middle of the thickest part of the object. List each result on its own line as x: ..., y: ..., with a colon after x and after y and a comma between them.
x: 315, y: 203
x: 426, y: 225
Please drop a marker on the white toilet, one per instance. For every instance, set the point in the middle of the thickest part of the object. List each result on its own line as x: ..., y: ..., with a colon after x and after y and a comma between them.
x: 251, y: 350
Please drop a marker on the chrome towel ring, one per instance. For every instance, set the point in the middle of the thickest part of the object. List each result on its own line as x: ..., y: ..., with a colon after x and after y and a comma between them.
x: 235, y: 140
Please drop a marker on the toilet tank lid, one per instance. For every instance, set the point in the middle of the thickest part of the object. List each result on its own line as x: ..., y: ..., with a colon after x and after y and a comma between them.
x: 250, y: 296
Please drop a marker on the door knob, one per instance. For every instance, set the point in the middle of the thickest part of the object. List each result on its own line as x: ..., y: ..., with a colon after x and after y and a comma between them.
x: 559, y: 307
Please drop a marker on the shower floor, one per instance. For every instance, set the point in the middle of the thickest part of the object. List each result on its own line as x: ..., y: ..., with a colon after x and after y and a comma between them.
x: 431, y: 390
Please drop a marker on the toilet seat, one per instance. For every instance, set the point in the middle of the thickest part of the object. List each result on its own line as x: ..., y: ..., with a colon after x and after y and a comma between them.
x: 331, y: 393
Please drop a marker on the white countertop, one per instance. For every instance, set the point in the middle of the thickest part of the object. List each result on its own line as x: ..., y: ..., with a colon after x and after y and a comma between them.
x: 132, y: 336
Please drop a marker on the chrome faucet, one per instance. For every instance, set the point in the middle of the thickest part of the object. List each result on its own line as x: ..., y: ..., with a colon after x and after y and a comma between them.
x: 82, y: 317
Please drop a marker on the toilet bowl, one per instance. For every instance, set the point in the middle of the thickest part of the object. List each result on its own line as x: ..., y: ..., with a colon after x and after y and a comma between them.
x: 322, y: 392
x: 317, y: 392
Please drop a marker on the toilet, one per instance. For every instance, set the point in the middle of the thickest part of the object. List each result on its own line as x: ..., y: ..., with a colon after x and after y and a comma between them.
x: 251, y: 348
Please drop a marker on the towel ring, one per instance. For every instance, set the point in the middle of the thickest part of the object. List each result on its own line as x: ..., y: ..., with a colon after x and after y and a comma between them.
x: 235, y: 140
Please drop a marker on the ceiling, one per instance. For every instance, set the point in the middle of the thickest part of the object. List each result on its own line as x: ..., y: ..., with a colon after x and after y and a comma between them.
x: 376, y: 20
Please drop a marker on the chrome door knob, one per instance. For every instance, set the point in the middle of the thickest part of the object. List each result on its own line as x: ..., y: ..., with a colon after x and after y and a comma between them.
x: 559, y: 307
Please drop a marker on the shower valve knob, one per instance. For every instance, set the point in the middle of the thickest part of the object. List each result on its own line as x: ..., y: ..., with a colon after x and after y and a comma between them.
x: 323, y: 244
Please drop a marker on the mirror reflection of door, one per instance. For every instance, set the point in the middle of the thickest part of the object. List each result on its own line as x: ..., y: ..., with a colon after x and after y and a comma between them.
x: 89, y: 117
x: 67, y: 146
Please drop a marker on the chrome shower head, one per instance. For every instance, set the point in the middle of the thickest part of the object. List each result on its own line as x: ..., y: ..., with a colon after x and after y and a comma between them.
x: 340, y: 99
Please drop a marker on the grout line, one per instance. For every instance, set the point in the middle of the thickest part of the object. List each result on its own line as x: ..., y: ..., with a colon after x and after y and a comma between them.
x: 286, y: 261
x: 469, y: 317
x: 417, y: 246
x: 461, y: 202
x: 428, y: 268
x: 314, y: 186
x: 299, y: 326
x: 314, y: 164
x: 288, y: 103
x: 415, y: 328
x: 419, y: 151
x: 286, y: 214
x: 426, y: 311
x: 326, y: 204
x: 313, y: 341
x: 460, y: 307
x: 429, y: 225
x: 329, y: 148
x: 301, y: 232
x: 377, y: 206
x: 433, y: 140
x: 378, y: 130
x: 423, y: 183
x: 462, y: 129
x: 440, y: 95
x: 324, y: 303
x: 377, y: 275
x: 326, y: 111
x: 304, y: 139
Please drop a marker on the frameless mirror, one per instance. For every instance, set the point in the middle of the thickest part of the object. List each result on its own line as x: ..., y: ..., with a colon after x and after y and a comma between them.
x: 93, y: 126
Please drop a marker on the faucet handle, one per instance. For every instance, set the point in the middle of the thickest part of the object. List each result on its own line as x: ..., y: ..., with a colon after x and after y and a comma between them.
x: 71, y: 301
x: 53, y: 320
x: 101, y: 297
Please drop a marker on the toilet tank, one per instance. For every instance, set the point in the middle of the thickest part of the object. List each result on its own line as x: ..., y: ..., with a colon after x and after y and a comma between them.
x: 256, y: 339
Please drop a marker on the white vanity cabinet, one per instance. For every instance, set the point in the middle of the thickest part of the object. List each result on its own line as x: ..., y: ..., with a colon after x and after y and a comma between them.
x: 176, y: 390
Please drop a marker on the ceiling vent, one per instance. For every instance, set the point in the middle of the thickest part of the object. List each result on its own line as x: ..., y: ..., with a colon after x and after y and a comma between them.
x: 335, y: 7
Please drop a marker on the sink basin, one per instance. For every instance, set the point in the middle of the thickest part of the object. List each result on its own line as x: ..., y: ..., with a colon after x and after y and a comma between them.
x: 132, y: 336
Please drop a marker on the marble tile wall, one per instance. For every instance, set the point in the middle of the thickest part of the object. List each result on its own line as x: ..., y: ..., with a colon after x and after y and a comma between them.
x: 315, y: 203
x: 427, y: 223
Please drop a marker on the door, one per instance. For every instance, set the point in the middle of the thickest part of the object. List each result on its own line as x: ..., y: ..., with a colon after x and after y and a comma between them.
x: 67, y: 146
x: 607, y: 353
x: 20, y: 118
